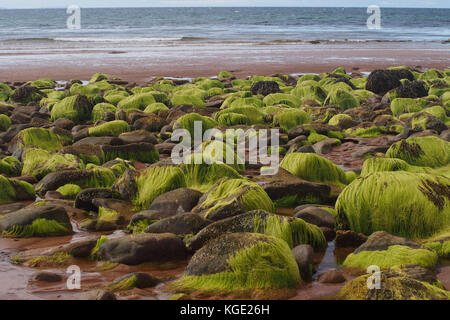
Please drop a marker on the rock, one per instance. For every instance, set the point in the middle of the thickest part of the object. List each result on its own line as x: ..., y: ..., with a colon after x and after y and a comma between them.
x: 139, y: 280
x: 424, y: 121
x: 84, y: 199
x: 284, y: 185
x: 304, y: 256
x: 445, y: 135
x: 150, y: 215
x: 315, y: 215
x: 45, y: 276
x: 142, y: 152
x: 53, y: 220
x: 392, y: 288
x: 325, y: 146
x: 141, y: 248
x: 329, y: 233
x: 265, y: 88
x: 138, y: 136
x: 381, y: 81
x: 97, y: 141
x: 178, y: 200
x: 96, y: 295
x: 416, y: 272
x: 99, y: 177
x: 181, y: 224
x: 26, y: 94
x: 349, y: 239
x: 362, y: 151
x: 165, y: 148
x: 296, y: 231
x: 381, y: 240
x: 126, y: 185
x: 387, y: 251
x: 332, y: 276
x: 240, y: 261
x: 76, y: 108
x: 64, y: 123
x: 12, y: 207
x: 412, y: 89
x: 236, y: 196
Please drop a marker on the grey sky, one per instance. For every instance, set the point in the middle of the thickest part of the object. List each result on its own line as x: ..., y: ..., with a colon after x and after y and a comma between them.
x: 222, y: 3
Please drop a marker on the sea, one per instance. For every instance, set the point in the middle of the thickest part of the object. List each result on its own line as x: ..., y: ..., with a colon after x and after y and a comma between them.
x: 44, y: 29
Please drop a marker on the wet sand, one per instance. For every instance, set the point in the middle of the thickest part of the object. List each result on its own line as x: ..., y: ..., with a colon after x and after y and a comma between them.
x: 140, y: 65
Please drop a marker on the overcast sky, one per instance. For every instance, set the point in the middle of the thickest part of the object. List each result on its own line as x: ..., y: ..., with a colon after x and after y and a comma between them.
x: 221, y: 3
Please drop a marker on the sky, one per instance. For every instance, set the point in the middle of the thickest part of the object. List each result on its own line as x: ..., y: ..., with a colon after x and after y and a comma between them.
x: 221, y: 3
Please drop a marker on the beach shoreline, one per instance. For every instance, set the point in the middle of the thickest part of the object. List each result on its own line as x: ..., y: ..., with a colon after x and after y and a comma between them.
x: 142, y: 65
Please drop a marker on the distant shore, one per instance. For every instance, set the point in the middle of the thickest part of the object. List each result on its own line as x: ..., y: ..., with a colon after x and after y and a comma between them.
x: 142, y: 64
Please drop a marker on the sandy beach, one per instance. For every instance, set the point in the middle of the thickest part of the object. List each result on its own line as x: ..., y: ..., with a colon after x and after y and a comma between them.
x: 140, y: 65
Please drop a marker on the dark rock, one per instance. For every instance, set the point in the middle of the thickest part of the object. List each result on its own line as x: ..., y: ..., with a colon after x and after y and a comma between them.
x: 165, y: 148
x: 138, y: 136
x: 26, y: 94
x: 381, y: 81
x: 304, y: 256
x: 445, y: 135
x: 315, y: 215
x: 84, y: 198
x: 12, y: 207
x: 150, y: 215
x: 64, y: 123
x: 126, y: 185
x: 412, y: 89
x: 332, y: 276
x: 181, y: 224
x: 265, y: 88
x: 143, y: 280
x: 178, y: 200
x: 285, y: 184
x: 145, y: 247
x: 416, y: 272
x: 349, y: 239
x: 381, y: 240
x: 325, y: 146
x: 27, y: 215
x: 133, y: 148
x: 431, y: 122
x: 45, y: 276
x: 329, y: 233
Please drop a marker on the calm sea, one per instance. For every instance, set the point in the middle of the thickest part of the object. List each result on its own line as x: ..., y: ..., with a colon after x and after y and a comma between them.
x: 139, y: 27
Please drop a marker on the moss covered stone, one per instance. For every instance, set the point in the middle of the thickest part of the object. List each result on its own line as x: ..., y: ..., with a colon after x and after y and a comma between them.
x: 76, y: 108
x: 202, y: 176
x: 36, y: 137
x: 100, y: 108
x: 10, y: 166
x: 413, y: 205
x: 69, y: 191
x: 155, y: 108
x: 15, y: 190
x: 229, y: 197
x: 112, y: 128
x: 187, y: 122
x: 342, y: 98
x: 155, y: 181
x: 422, y: 151
x: 282, y: 98
x: 136, y: 101
x: 289, y: 118
x: 312, y: 167
x: 240, y: 262
x: 5, y: 122
x: 39, y: 162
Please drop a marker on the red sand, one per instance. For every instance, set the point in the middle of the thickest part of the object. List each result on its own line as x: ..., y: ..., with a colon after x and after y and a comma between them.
x: 141, y: 66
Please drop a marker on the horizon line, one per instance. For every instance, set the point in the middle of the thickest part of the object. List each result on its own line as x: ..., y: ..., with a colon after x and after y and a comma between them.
x: 171, y: 7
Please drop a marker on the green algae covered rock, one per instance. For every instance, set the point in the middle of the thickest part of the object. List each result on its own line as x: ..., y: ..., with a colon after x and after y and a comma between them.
x: 292, y: 230
x: 337, y: 119
x: 395, y: 255
x: 111, y: 128
x: 15, y: 190
x: 400, y: 105
x: 5, y: 122
x: 100, y: 108
x: 76, y: 108
x: 36, y: 220
x: 136, y: 101
x: 230, y: 197
x: 312, y: 167
x: 310, y: 92
x: 155, y: 108
x: 393, y: 288
x: 187, y: 122
x: 36, y: 137
x: 289, y: 118
x: 342, y: 98
x: 69, y: 191
x: 427, y: 151
x: 142, y: 152
x: 370, y: 132
x: 39, y: 162
x: 98, y: 77
x: 240, y: 262
x: 202, y: 176
x: 188, y: 100
x: 43, y: 83
x: 10, y: 166
x: 413, y: 205
x: 249, y: 114
x: 155, y: 181
x: 282, y: 98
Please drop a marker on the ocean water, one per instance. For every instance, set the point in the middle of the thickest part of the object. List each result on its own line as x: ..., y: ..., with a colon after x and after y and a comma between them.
x: 37, y: 29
